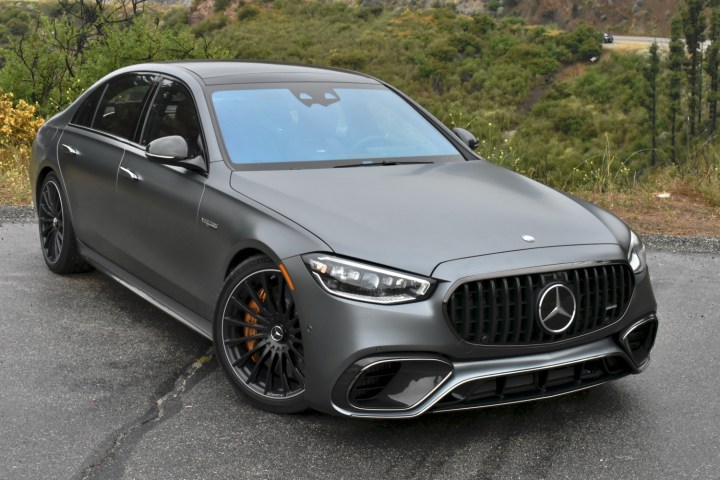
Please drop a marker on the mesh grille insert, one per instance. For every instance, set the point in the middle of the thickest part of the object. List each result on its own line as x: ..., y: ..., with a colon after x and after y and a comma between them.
x: 503, y: 311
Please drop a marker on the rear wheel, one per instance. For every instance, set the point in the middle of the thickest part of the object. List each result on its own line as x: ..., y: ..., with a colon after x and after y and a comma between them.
x: 57, y: 237
x: 258, y: 339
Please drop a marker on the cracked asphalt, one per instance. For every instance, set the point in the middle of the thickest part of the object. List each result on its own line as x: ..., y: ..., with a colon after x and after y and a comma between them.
x: 95, y: 383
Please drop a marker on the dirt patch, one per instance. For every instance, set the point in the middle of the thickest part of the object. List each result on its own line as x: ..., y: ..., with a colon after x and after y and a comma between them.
x: 663, y: 213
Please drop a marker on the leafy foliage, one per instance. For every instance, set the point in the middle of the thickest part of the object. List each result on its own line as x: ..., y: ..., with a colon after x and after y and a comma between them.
x: 59, y: 56
x: 19, y: 123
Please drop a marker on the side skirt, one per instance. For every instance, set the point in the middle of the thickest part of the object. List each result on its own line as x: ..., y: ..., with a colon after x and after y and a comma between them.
x: 148, y: 293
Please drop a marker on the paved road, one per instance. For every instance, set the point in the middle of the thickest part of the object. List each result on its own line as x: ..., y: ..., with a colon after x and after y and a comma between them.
x: 95, y: 383
x: 637, y: 44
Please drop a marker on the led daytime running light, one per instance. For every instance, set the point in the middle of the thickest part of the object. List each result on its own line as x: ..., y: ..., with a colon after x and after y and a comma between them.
x: 637, y: 254
x: 366, y: 283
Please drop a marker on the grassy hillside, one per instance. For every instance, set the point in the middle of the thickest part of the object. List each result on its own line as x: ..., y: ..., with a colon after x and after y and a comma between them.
x: 530, y: 93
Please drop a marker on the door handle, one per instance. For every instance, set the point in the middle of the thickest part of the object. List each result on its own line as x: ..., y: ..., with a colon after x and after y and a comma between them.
x: 133, y: 176
x: 70, y: 150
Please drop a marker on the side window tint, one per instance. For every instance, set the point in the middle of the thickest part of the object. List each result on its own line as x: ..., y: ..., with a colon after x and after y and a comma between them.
x: 85, y: 114
x: 173, y: 112
x: 122, y: 104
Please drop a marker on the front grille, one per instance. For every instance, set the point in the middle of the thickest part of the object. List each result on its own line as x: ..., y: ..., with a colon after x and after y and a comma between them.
x: 524, y: 386
x: 503, y: 311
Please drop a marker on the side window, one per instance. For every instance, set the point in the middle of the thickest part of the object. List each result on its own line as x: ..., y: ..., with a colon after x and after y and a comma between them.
x: 85, y: 114
x: 122, y: 104
x: 173, y: 112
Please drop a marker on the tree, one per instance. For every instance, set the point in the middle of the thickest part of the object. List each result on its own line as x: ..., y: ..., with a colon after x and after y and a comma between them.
x: 694, y: 28
x: 651, y: 74
x: 676, y: 65
x: 713, y: 64
x: 61, y: 56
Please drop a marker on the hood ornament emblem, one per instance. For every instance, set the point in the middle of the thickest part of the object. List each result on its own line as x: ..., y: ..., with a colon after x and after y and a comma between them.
x: 528, y: 238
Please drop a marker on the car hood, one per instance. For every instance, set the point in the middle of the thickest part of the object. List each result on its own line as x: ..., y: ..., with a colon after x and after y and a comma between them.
x: 414, y: 217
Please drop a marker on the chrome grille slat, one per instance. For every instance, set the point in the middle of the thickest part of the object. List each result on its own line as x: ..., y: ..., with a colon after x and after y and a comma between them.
x: 502, y: 311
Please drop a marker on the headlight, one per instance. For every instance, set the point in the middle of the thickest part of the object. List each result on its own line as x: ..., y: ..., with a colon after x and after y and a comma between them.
x: 636, y: 254
x: 366, y: 283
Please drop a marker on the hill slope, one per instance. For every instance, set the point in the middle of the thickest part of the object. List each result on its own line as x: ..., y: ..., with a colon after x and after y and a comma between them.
x: 639, y: 17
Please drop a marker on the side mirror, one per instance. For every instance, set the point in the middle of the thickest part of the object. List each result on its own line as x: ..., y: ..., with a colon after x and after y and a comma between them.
x: 467, y: 138
x: 173, y: 150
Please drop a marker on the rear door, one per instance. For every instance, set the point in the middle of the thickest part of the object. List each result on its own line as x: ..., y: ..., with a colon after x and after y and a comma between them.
x: 90, y: 151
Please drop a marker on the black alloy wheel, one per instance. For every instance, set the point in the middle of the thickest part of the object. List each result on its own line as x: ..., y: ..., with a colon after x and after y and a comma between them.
x: 258, y: 337
x: 57, y: 237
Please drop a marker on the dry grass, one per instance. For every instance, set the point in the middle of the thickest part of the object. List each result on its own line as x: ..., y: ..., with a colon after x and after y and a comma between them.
x: 14, y: 181
x: 667, y: 205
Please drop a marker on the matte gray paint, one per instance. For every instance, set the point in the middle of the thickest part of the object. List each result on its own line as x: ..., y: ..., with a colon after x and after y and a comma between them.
x: 414, y: 217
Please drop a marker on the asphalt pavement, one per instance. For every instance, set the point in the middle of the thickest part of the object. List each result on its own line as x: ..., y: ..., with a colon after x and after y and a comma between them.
x: 95, y: 383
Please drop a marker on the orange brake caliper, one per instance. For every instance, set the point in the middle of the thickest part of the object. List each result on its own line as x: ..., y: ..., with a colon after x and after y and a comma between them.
x: 250, y: 331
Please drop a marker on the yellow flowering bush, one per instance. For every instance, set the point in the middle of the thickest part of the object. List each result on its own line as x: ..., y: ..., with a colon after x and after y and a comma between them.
x: 19, y: 122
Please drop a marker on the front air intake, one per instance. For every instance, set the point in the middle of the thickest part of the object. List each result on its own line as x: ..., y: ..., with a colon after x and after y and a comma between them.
x: 639, y: 339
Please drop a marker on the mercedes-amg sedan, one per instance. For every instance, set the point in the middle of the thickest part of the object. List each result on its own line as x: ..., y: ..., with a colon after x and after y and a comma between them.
x: 343, y: 249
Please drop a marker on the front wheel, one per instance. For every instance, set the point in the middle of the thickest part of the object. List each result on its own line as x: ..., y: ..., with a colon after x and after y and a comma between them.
x: 57, y: 236
x: 258, y: 339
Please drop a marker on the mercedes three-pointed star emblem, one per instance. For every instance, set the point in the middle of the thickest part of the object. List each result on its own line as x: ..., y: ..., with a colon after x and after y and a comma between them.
x: 556, y: 308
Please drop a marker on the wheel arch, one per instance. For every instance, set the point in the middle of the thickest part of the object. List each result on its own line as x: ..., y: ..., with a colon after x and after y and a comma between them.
x: 246, y: 252
x: 44, y: 172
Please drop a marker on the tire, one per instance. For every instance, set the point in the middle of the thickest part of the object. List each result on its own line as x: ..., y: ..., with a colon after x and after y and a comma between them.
x: 57, y: 236
x: 258, y: 339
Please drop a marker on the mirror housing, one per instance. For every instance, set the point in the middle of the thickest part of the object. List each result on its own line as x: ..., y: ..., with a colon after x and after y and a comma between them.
x: 173, y: 150
x: 467, y: 138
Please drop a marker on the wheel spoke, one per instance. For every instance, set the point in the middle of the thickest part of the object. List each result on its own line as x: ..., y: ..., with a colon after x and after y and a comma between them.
x: 258, y: 364
x: 48, y: 239
x: 248, y: 310
x: 299, y: 376
x: 58, y: 244
x: 53, y: 200
x: 256, y: 298
x: 283, y: 374
x: 268, y: 294
x: 241, y: 361
x: 240, y: 340
x: 295, y: 351
x: 241, y: 323
x: 269, y: 374
x: 44, y: 207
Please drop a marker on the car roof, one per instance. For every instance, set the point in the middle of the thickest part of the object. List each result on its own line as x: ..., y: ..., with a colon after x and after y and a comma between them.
x: 225, y: 72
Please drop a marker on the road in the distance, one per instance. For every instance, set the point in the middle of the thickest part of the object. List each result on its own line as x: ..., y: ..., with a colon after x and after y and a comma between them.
x: 96, y: 383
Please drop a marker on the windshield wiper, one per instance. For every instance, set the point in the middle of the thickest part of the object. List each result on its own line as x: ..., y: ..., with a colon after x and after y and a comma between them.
x: 384, y: 163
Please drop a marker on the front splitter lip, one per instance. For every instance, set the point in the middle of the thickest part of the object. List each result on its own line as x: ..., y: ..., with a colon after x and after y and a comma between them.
x: 471, y: 371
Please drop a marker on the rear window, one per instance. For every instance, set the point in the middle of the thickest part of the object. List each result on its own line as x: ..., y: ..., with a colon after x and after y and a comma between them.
x: 292, y: 124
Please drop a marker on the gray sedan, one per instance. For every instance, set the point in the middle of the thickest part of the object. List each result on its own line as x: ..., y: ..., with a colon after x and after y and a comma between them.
x: 342, y: 248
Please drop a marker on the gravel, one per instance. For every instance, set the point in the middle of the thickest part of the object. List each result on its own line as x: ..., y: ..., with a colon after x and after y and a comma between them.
x: 17, y: 214
x: 665, y: 243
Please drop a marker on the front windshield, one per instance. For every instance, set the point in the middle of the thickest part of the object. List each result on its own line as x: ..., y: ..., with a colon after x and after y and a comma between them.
x: 340, y: 124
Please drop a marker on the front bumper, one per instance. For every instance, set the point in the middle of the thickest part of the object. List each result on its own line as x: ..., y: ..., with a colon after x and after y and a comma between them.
x: 341, y: 337
x: 408, y: 391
